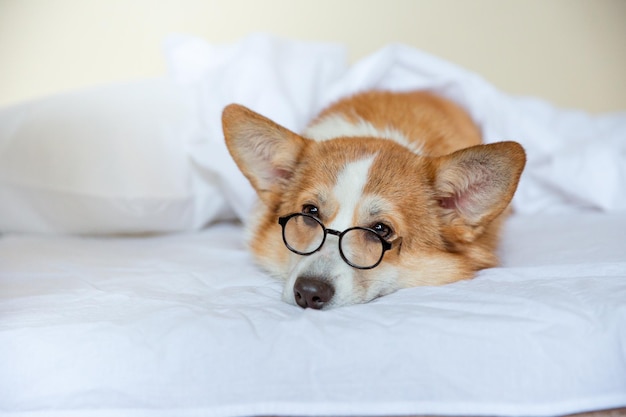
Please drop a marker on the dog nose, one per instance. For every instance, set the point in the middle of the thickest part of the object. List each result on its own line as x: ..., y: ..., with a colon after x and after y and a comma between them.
x: 312, y: 292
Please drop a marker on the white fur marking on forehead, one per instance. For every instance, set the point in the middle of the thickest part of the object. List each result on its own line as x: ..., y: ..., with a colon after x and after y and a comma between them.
x: 335, y: 126
x: 348, y: 191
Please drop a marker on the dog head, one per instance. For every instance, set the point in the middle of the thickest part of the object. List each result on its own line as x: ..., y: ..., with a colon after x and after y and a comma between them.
x: 346, y: 220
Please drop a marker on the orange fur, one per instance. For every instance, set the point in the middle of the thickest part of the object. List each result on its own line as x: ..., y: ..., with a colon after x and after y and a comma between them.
x: 446, y: 202
x: 421, y: 116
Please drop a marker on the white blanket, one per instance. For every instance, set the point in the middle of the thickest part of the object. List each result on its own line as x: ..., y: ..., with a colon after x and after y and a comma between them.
x: 185, y: 325
x: 575, y: 160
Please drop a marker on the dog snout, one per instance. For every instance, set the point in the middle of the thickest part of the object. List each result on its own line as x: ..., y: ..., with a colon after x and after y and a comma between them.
x: 312, y: 292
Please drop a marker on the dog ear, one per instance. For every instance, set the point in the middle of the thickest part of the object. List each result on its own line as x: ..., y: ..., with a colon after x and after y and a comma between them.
x: 474, y: 185
x: 264, y: 151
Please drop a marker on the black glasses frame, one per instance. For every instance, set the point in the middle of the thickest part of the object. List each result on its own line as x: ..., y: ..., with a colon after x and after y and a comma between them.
x: 385, y: 244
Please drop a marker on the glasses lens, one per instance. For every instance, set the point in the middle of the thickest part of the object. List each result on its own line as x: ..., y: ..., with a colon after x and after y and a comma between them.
x: 303, y: 234
x: 362, y: 248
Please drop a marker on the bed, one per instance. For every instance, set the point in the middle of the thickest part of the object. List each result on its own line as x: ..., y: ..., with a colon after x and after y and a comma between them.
x: 126, y: 287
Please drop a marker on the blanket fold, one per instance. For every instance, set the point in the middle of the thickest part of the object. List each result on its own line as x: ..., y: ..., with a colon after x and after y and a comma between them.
x: 576, y: 161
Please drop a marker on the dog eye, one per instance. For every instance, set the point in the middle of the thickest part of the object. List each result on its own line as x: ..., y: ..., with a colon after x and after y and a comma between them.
x: 382, y: 230
x: 310, y: 209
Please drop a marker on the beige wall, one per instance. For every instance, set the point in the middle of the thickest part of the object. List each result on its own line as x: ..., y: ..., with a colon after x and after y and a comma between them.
x: 572, y: 52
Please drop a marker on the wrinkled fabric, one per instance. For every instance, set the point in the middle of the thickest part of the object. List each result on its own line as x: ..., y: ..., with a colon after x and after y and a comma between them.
x: 185, y: 325
x: 576, y: 161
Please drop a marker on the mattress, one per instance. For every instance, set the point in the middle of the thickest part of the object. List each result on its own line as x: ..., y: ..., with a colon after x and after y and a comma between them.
x: 186, y: 325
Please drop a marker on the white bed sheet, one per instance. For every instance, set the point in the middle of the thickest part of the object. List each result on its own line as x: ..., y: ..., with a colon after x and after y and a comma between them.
x: 186, y: 325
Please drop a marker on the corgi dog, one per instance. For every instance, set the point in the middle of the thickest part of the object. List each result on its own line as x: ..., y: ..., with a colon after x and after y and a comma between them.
x: 382, y: 191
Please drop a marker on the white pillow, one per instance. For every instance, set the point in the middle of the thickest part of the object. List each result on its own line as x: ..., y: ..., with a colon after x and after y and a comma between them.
x: 108, y: 160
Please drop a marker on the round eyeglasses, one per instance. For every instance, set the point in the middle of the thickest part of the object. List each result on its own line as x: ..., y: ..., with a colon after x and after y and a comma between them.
x: 359, y: 247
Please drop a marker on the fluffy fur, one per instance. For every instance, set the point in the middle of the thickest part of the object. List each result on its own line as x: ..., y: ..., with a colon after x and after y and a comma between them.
x: 411, y: 162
